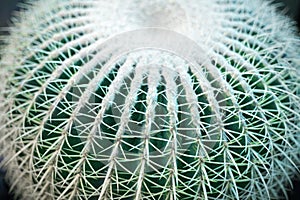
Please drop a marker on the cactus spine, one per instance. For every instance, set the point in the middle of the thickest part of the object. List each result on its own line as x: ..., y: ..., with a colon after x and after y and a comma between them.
x: 84, y: 118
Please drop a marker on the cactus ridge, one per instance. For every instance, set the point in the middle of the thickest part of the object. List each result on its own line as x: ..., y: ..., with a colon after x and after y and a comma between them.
x: 80, y: 123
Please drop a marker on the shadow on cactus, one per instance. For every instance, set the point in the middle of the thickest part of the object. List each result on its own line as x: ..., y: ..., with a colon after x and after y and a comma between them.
x: 160, y: 100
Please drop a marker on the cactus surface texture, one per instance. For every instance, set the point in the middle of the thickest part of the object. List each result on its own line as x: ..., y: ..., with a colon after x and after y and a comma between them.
x: 128, y: 99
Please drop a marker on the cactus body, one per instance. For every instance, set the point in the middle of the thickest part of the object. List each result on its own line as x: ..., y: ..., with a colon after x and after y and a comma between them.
x: 150, y: 100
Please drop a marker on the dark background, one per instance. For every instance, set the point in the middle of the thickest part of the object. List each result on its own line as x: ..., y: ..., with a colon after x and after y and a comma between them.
x: 290, y: 7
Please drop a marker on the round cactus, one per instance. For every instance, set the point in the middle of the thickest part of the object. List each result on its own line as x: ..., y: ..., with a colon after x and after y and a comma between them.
x: 150, y: 100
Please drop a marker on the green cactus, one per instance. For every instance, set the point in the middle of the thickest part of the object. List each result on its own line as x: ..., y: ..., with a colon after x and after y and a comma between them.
x: 150, y: 100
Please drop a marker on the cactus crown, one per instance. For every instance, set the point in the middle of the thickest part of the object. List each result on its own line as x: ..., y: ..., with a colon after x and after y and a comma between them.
x: 84, y: 118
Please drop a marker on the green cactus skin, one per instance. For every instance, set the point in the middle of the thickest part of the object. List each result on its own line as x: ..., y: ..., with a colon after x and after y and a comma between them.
x: 76, y: 124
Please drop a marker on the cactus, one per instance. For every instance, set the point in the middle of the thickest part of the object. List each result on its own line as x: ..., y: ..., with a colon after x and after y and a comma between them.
x: 150, y: 100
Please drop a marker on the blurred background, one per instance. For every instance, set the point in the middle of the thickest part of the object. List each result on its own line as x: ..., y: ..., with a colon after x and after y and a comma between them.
x: 290, y: 7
